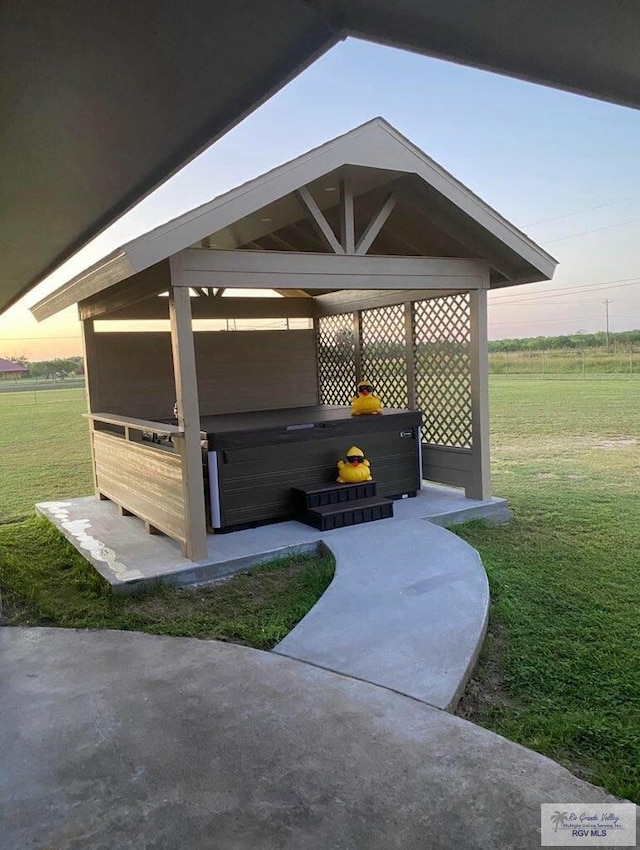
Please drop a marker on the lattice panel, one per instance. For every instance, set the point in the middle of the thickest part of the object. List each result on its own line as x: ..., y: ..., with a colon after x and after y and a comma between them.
x: 336, y: 359
x: 384, y: 363
x: 441, y: 343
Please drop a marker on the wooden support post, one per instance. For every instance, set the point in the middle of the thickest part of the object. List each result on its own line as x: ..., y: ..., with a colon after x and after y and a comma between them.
x: 480, y: 487
x: 188, y: 446
x: 357, y: 354
x: 409, y: 355
x: 92, y: 387
x: 316, y: 334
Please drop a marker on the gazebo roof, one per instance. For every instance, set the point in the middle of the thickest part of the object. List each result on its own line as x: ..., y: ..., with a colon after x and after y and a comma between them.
x: 428, y: 213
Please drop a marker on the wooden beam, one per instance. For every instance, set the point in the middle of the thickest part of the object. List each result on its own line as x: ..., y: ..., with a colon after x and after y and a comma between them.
x: 293, y: 293
x: 334, y: 303
x: 222, y: 308
x: 376, y: 224
x: 276, y: 269
x: 347, y: 221
x: 187, y: 445
x: 219, y: 291
x: 319, y: 221
x: 151, y: 281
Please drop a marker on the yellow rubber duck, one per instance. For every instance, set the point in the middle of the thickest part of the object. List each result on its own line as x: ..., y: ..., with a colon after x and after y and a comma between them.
x: 365, y: 402
x: 355, y: 469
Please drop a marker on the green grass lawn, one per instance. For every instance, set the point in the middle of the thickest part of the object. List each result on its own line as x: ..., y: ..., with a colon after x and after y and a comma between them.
x: 560, y: 671
x: 44, y: 450
x: 46, y: 582
x: 44, y: 454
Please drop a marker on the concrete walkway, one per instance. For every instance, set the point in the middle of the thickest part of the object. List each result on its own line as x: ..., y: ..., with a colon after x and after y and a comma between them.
x: 115, y: 740
x: 407, y: 609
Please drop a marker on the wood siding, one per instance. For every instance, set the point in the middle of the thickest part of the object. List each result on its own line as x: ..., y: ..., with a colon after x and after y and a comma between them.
x: 237, y: 371
x: 447, y: 465
x: 144, y: 480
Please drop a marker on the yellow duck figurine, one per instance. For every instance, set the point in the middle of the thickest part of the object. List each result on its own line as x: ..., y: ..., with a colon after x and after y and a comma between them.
x: 365, y: 402
x: 356, y: 468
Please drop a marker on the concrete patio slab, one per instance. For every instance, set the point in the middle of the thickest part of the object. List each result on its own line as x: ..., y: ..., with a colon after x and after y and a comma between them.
x: 123, y: 740
x: 126, y: 556
x: 407, y: 608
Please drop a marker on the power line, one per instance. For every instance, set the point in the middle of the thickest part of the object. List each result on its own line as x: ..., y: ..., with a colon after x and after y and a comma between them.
x: 587, y: 232
x: 596, y: 284
x: 546, y: 321
x: 27, y: 338
x: 568, y: 290
x: 537, y: 300
x: 580, y: 212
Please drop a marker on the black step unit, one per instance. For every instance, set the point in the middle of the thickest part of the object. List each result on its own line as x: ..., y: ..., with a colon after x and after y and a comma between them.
x: 305, y: 498
x: 352, y: 512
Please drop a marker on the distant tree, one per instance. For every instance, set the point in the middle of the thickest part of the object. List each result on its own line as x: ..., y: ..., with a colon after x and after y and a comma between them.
x: 345, y: 343
x: 579, y: 340
x: 58, y: 368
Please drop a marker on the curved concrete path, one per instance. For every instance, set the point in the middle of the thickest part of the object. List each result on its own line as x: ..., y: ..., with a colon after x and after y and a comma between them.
x: 407, y: 609
x: 129, y: 741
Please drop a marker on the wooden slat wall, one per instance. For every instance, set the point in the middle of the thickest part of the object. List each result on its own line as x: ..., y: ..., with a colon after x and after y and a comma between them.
x: 237, y: 371
x: 447, y: 465
x: 144, y: 480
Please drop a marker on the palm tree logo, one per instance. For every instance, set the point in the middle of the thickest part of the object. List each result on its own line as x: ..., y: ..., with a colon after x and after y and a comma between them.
x: 558, y: 818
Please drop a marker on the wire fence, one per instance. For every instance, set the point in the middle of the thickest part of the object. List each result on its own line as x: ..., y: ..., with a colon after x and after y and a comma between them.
x: 577, y: 364
x: 21, y: 391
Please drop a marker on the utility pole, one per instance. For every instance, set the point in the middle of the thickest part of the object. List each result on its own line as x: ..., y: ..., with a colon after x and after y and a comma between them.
x: 606, y: 303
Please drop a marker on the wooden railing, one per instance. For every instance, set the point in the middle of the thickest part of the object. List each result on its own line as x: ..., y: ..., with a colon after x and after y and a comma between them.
x: 130, y: 424
x: 142, y: 477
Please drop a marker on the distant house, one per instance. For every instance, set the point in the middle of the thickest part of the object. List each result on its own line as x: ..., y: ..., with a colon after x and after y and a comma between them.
x: 9, y: 369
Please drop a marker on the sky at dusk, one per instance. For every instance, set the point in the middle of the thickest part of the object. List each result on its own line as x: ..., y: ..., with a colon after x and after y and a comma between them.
x: 563, y: 168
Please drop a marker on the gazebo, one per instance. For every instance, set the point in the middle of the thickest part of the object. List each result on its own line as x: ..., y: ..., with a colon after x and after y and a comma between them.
x: 372, y: 261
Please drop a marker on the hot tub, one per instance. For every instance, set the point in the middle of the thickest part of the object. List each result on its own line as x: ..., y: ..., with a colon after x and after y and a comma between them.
x: 254, y: 459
